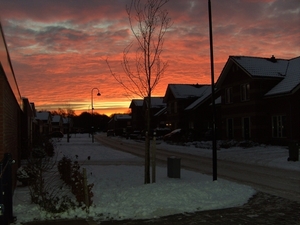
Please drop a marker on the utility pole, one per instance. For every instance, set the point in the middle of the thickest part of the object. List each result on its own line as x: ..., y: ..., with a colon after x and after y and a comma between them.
x: 214, y: 141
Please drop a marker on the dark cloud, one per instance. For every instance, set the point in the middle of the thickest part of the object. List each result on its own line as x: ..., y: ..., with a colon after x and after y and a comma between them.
x: 63, y: 44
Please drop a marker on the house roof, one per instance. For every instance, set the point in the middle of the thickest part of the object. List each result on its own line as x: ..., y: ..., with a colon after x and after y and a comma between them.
x: 184, y: 91
x: 122, y: 117
x: 206, y: 92
x: 288, y: 71
x: 262, y: 67
x: 42, y: 115
x: 136, y: 102
x: 161, y: 112
x: 56, y: 118
x: 157, y: 102
x: 290, y: 81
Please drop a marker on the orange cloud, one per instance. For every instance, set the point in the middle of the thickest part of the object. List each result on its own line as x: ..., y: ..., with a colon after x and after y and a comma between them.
x: 58, y: 48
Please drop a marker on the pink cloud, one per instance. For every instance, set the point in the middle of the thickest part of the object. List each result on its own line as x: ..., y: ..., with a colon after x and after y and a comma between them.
x: 58, y: 48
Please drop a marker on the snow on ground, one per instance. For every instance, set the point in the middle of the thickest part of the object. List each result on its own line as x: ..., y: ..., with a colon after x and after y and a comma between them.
x: 119, y: 192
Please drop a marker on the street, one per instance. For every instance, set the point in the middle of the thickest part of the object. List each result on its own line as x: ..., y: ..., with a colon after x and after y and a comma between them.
x: 276, y: 181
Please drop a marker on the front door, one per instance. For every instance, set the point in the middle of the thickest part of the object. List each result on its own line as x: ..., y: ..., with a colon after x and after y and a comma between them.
x: 246, y: 126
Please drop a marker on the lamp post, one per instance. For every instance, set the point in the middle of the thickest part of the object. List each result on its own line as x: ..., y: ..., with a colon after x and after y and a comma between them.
x: 92, y: 104
x: 214, y: 141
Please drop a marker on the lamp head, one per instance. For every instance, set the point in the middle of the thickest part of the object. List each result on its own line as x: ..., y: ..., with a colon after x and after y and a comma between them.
x: 98, y: 94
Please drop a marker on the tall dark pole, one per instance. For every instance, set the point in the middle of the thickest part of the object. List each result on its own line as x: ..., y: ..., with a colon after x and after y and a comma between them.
x: 214, y: 141
x: 92, y: 104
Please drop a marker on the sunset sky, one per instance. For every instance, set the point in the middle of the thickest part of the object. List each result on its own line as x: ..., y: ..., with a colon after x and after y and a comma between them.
x: 58, y: 47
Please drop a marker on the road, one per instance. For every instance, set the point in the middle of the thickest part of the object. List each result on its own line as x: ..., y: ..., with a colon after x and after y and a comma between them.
x: 276, y: 181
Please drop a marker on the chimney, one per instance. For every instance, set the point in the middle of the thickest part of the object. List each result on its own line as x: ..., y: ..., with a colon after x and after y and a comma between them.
x: 273, y: 59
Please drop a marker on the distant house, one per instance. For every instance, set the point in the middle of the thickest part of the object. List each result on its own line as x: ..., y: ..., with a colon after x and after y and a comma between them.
x: 137, y: 114
x: 120, y: 123
x: 260, y: 99
x: 57, y: 123
x: 177, y: 98
x: 157, y: 112
x: 67, y: 125
x: 44, y: 121
x: 28, y: 128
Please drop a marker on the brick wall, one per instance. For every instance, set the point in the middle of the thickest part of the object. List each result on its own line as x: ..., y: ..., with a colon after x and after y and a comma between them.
x: 10, y: 122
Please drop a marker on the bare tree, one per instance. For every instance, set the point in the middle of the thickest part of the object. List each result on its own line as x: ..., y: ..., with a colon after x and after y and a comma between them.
x: 149, y: 23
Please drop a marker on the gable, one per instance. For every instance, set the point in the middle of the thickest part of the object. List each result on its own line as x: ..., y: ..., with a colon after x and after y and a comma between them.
x: 183, y: 91
x: 253, y: 67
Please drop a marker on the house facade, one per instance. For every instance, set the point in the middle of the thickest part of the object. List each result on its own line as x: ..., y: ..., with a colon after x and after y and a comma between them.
x: 260, y: 99
x: 157, y: 113
x: 137, y: 114
x: 177, y: 98
x: 57, y: 123
x: 44, y: 121
x: 120, y: 123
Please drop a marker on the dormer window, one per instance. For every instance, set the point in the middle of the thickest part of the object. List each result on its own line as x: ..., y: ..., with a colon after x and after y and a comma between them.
x: 245, y: 92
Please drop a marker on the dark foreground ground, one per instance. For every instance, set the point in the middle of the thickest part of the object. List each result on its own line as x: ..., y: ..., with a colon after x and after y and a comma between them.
x: 261, y: 209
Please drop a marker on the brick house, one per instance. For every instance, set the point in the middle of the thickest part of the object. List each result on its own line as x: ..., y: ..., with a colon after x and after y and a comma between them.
x: 260, y: 99
x: 57, y: 123
x: 28, y: 128
x: 198, y: 115
x: 11, y: 106
x: 137, y: 114
x: 177, y: 98
x: 44, y: 121
x: 120, y: 123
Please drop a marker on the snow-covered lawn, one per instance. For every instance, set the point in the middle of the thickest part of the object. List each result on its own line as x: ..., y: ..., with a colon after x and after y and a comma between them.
x: 119, y: 191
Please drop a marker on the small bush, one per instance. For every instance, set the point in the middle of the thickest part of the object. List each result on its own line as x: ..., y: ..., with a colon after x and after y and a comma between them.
x: 71, y: 175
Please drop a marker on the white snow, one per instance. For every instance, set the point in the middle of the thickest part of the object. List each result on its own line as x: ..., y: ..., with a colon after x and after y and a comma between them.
x: 119, y: 192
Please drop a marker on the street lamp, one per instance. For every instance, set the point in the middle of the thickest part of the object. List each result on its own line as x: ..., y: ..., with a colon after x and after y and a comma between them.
x: 92, y: 104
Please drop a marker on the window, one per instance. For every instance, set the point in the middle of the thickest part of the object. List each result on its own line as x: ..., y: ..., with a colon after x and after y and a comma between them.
x: 228, y: 95
x: 245, y: 92
x: 279, y: 126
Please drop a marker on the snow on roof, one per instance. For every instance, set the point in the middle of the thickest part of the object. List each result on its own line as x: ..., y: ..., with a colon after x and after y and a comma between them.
x: 264, y: 67
x: 137, y: 102
x: 157, y: 102
x: 160, y: 112
x: 56, y: 118
x: 122, y: 117
x: 291, y: 79
x: 187, y: 90
x: 206, y: 91
x: 42, y: 115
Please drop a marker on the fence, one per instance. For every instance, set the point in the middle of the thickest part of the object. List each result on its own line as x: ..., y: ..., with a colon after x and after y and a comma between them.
x: 6, y: 209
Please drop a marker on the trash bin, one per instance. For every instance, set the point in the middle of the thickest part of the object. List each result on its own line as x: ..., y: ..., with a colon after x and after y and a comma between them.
x: 173, y: 167
x: 293, y: 151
